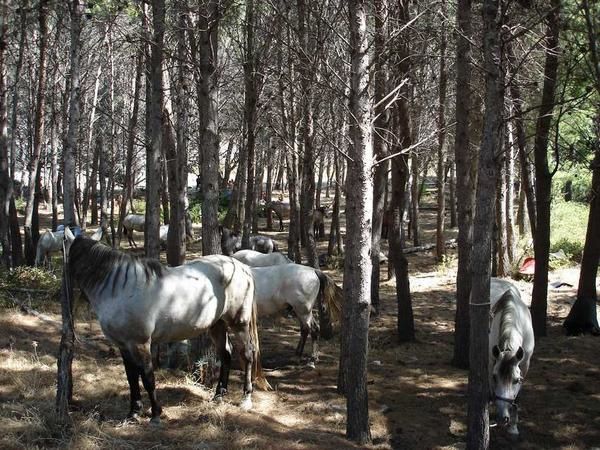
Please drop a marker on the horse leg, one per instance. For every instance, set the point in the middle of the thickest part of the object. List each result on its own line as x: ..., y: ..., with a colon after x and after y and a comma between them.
x: 304, y: 328
x: 247, y: 358
x: 133, y: 376
x: 315, y: 332
x: 218, y: 334
x: 143, y: 359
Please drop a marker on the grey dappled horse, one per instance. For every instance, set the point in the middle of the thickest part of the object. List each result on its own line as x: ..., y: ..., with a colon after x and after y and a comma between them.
x: 299, y: 287
x: 511, y: 346
x: 231, y: 242
x: 138, y: 301
x: 253, y: 258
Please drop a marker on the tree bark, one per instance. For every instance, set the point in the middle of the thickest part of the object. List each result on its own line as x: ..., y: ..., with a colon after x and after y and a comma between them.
x: 359, y: 204
x: 465, y: 182
x: 30, y: 232
x: 154, y: 139
x: 380, y: 150
x: 478, y: 391
x: 6, y: 186
x: 543, y: 176
x: 440, y: 248
x: 208, y: 102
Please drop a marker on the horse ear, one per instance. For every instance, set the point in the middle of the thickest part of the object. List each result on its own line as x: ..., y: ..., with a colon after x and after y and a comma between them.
x: 519, y: 354
x: 69, y: 234
x: 496, y: 351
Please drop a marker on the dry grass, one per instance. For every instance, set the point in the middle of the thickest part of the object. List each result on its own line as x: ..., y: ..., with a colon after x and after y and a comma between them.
x: 417, y: 399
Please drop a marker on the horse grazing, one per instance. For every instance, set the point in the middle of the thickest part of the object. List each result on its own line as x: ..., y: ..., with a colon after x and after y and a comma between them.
x: 511, y: 346
x: 253, y: 258
x: 131, y: 223
x: 231, y: 242
x: 299, y: 287
x: 138, y: 302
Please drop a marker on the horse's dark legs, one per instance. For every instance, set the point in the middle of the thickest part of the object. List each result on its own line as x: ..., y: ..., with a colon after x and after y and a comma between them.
x: 247, y: 358
x: 133, y: 377
x: 143, y: 359
x: 218, y: 334
x: 304, y: 328
x: 315, y: 332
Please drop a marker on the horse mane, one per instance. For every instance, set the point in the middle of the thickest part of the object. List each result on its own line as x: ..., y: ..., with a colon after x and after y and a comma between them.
x: 91, y: 262
x: 507, y: 309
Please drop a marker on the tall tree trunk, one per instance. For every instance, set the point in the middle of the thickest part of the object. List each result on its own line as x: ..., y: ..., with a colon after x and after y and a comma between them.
x: 543, y: 177
x: 65, y: 378
x: 503, y: 265
x: 359, y: 205
x: 517, y: 102
x: 208, y: 102
x: 414, y: 201
x: 38, y: 137
x: 380, y: 149
x: 131, y: 134
x: 250, y: 115
x: 154, y: 139
x: 509, y: 172
x: 6, y: 187
x: 440, y: 248
x: 452, y: 188
x: 465, y: 182
x: 400, y: 174
x: 478, y: 391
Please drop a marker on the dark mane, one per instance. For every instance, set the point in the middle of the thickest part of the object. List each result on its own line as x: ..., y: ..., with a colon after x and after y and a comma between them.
x: 90, y: 262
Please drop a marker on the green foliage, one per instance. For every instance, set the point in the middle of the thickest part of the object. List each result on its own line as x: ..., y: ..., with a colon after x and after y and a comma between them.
x: 568, y: 228
x: 32, y: 278
x: 581, y: 183
x: 195, y: 211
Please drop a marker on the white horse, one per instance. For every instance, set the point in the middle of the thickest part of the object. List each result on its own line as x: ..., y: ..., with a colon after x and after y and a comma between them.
x: 52, y: 242
x: 131, y: 223
x: 299, y: 287
x: 253, y: 258
x: 138, y: 301
x: 162, y: 234
x: 511, y: 343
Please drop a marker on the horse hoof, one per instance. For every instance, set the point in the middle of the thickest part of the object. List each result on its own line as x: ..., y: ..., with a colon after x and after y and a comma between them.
x: 155, y: 421
x: 246, y: 404
x: 311, y: 365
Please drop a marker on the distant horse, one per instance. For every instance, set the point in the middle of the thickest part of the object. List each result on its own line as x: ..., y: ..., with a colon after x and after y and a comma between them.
x: 52, y: 242
x: 511, y: 346
x: 231, y: 242
x: 138, y: 301
x: 319, y: 215
x: 131, y: 223
x: 299, y: 287
x: 281, y: 210
x: 253, y: 258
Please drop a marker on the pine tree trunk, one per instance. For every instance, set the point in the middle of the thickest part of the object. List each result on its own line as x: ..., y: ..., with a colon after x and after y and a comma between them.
x: 440, y: 248
x: 478, y: 433
x: 6, y: 187
x: 414, y: 201
x: 509, y: 171
x: 543, y: 177
x: 208, y: 102
x: 380, y: 150
x: 38, y: 138
x: 465, y: 183
x: 359, y: 205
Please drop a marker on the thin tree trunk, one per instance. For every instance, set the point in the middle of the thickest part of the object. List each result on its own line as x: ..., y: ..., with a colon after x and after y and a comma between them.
x: 154, y: 139
x: 478, y: 391
x: 6, y: 186
x: 38, y: 138
x: 465, y: 183
x: 543, y: 177
x: 359, y: 204
x: 509, y: 170
x: 440, y: 248
x: 414, y: 201
x: 380, y: 150
x: 65, y: 359
x: 503, y: 265
x: 453, y: 220
x: 208, y: 102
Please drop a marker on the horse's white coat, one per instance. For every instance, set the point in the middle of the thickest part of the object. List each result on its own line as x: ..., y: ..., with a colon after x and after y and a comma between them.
x: 131, y: 223
x: 253, y: 258
x: 49, y: 242
x: 163, y: 233
x: 511, y: 344
x: 187, y: 300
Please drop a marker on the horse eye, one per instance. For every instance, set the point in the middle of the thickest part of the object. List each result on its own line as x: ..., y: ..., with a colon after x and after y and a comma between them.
x: 518, y: 380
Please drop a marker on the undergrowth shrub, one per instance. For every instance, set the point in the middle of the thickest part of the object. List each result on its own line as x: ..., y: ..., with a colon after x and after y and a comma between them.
x: 567, y: 229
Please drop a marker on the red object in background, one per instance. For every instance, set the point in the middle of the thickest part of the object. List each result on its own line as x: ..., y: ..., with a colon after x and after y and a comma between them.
x: 528, y: 266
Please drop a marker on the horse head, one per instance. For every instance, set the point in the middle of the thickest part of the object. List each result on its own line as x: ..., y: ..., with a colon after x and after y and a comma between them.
x: 506, y: 381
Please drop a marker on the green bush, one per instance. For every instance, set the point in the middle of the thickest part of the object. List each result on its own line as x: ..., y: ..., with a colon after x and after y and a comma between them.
x: 581, y: 184
x: 568, y: 227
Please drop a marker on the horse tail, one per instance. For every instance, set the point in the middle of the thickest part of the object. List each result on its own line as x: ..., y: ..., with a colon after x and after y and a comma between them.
x: 332, y: 295
x: 259, y: 378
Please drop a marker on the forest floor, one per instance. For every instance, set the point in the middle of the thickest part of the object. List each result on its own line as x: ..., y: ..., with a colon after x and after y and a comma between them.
x: 417, y: 399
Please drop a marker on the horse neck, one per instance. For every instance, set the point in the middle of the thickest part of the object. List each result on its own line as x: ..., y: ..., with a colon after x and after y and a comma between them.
x: 509, y: 337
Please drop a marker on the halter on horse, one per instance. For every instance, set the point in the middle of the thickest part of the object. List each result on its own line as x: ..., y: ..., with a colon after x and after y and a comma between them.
x: 138, y: 301
x: 511, y: 346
